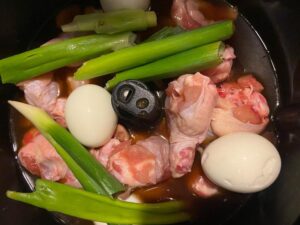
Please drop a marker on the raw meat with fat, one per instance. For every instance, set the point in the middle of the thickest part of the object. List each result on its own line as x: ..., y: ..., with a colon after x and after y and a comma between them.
x: 203, y: 187
x: 192, y: 14
x: 240, y: 107
x: 44, y: 93
x: 141, y: 164
x: 222, y: 71
x: 133, y: 165
x: 187, y: 15
x: 41, y: 91
x: 103, y: 153
x: 41, y: 159
x: 189, y: 105
x: 58, y: 112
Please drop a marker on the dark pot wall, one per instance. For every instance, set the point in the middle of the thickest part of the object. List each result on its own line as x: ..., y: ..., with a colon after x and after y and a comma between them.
x: 19, y: 20
x: 278, y: 24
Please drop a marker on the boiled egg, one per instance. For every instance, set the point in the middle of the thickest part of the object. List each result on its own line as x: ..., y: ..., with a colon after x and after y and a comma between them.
x: 241, y: 162
x: 111, y: 5
x: 90, y: 116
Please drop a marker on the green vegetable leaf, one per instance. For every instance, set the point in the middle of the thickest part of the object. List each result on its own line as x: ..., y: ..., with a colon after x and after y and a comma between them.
x: 79, y: 203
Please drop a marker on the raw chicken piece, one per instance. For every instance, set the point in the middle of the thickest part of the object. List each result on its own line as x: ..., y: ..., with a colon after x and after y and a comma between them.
x: 187, y: 15
x: 240, y: 107
x: 142, y: 164
x: 103, y: 153
x: 133, y: 165
x: 222, y: 71
x: 191, y: 14
x: 41, y: 159
x: 29, y: 136
x: 58, y: 112
x: 160, y: 148
x: 189, y: 105
x: 248, y: 81
x: 43, y: 92
x: 70, y: 179
x: 204, y: 188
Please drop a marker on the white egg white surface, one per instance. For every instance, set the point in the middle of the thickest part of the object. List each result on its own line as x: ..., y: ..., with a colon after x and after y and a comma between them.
x: 111, y: 5
x: 90, y: 116
x: 241, y: 162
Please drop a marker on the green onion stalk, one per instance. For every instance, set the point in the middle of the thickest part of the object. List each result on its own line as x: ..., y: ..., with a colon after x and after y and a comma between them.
x: 165, y: 32
x: 40, y: 60
x: 189, y: 61
x: 71, y: 201
x: 113, y: 22
x: 153, y: 50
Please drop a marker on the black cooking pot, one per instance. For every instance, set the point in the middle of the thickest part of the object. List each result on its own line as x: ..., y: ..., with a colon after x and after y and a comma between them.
x: 277, y: 22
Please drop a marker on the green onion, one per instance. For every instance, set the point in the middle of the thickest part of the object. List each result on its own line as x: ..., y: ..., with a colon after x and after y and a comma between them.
x: 189, y: 61
x: 47, y: 58
x: 84, y: 179
x: 165, y: 32
x: 79, y: 203
x: 90, y: 173
x: 112, y: 22
x: 150, y: 51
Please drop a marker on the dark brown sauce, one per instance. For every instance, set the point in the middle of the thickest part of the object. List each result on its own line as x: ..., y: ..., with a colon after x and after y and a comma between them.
x: 161, y: 130
x: 208, y: 210
x: 60, y: 76
x: 217, y: 10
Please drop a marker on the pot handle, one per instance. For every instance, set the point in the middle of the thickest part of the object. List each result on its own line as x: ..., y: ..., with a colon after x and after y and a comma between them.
x: 288, y: 118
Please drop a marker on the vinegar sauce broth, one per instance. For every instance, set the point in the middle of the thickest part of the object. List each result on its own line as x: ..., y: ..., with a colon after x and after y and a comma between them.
x: 208, y: 210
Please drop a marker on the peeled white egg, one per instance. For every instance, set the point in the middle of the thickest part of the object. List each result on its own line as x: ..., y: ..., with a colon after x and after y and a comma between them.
x: 111, y: 5
x: 241, y: 162
x: 90, y: 116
